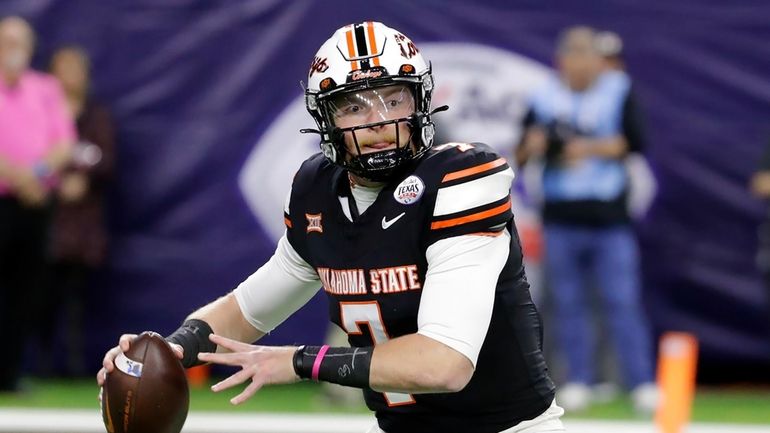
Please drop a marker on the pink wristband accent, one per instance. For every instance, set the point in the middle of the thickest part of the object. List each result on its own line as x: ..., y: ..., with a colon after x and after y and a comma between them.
x: 317, y: 362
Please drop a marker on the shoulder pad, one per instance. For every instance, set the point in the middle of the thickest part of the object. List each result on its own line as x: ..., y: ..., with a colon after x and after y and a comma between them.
x: 309, y: 173
x: 451, y: 163
x: 471, y: 186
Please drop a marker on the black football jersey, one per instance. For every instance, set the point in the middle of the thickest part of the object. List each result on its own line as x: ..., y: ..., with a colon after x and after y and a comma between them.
x: 373, y: 270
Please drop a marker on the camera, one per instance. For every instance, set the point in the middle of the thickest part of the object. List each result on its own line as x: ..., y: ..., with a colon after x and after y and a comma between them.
x: 558, y: 134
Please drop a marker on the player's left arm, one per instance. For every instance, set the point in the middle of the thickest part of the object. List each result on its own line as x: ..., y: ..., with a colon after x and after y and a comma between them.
x: 455, y: 312
x: 468, y: 248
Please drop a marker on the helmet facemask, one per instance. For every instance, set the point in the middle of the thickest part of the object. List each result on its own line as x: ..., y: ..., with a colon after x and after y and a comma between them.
x: 372, y: 128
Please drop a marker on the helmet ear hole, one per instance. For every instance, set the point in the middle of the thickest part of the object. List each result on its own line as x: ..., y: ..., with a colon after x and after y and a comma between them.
x: 428, y: 131
x: 329, y: 148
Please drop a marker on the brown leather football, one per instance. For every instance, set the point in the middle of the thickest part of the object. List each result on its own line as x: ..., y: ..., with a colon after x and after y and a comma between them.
x: 147, y: 391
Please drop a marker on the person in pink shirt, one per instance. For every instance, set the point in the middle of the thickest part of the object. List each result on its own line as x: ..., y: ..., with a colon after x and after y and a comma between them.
x: 36, y: 135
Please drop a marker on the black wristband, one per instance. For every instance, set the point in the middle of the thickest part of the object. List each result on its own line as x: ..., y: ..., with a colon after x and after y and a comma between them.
x: 297, y: 360
x: 193, y: 336
x: 347, y: 366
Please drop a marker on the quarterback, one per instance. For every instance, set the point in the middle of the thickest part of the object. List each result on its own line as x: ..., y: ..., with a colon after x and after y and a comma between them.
x: 415, y: 246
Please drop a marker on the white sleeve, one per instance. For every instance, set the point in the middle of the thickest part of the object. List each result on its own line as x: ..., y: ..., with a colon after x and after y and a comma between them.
x: 277, y: 289
x: 459, y: 290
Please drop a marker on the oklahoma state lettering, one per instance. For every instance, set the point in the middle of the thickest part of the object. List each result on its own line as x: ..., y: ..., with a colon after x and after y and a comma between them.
x: 394, y: 279
x: 343, y: 281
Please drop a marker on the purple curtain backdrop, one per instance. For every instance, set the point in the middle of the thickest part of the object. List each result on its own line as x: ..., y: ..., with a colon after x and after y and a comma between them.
x: 194, y: 84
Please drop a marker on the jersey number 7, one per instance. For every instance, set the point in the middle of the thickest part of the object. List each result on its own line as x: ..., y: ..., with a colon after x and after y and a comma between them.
x: 354, y: 315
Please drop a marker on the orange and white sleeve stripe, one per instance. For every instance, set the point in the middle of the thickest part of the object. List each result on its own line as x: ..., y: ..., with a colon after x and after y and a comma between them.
x: 474, y: 194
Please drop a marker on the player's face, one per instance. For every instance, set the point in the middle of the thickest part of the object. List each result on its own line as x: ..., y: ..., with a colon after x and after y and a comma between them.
x: 373, y: 106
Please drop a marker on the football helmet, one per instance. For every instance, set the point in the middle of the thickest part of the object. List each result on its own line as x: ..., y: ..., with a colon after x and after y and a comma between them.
x: 369, y: 77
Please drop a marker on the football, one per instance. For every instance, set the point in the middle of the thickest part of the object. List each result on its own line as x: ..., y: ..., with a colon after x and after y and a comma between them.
x: 147, y: 392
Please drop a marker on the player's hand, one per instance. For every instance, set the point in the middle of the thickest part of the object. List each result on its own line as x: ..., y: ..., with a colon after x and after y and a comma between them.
x: 108, y: 363
x: 264, y: 365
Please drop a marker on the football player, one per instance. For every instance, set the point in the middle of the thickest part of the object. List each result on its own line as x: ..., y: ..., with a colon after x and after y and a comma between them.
x: 416, y: 249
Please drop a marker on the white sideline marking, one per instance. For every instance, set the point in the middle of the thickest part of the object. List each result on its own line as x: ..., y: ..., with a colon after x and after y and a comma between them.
x: 25, y: 420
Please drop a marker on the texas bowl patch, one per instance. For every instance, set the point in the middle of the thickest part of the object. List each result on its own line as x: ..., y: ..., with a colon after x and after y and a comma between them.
x: 410, y: 190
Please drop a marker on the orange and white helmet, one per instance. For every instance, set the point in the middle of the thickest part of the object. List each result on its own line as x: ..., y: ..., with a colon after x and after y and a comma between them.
x: 365, y: 56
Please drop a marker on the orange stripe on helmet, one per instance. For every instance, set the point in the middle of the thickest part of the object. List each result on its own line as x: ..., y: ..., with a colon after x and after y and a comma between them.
x: 473, y: 170
x: 372, y: 43
x: 473, y: 217
x: 351, y: 49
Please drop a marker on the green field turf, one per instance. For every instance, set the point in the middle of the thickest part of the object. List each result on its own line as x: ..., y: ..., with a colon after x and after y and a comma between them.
x: 302, y: 397
x: 711, y: 405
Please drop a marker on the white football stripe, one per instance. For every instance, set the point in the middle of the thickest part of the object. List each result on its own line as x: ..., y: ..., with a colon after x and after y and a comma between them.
x: 474, y: 193
x: 128, y: 366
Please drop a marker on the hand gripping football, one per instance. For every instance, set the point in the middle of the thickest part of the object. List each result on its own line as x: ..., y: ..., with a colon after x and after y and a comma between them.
x: 147, y: 391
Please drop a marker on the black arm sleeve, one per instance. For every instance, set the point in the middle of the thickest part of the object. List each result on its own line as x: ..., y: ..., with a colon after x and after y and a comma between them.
x: 633, y: 129
x: 193, y: 336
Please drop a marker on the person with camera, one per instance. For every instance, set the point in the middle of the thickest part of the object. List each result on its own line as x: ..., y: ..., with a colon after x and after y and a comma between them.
x: 581, y: 124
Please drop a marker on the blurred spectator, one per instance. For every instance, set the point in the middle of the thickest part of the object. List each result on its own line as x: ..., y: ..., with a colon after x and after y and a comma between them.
x: 78, y: 236
x: 583, y: 124
x: 36, y: 134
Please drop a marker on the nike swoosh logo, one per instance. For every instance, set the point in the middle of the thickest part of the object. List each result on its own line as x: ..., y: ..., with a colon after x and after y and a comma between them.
x: 386, y: 223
